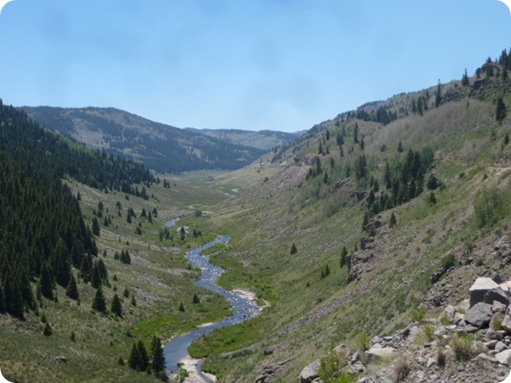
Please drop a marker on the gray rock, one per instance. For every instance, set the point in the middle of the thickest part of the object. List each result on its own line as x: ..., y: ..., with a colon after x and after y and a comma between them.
x: 487, y: 358
x: 506, y: 322
x: 486, y: 290
x: 431, y: 362
x: 491, y: 344
x: 310, y: 372
x: 503, y: 357
x: 381, y: 352
x: 500, y: 346
x: 479, y: 315
x: 498, y: 307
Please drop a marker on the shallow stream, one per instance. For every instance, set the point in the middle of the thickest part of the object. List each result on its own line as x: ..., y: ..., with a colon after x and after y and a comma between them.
x: 243, y: 308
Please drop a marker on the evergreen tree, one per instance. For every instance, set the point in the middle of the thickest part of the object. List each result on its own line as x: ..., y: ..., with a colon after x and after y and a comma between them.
x: 72, y: 289
x: 181, y: 307
x: 464, y: 80
x: 438, y: 95
x: 143, y: 361
x: 61, y: 263
x: 195, y: 299
x: 46, y: 282
x: 294, y: 250
x: 355, y: 134
x: 344, y: 253
x: 158, y: 358
x: 96, y: 276
x: 98, y: 303
x: 116, y: 306
x: 47, y: 331
x: 95, y: 226
x: 133, y: 301
x: 500, y: 111
x: 134, y: 358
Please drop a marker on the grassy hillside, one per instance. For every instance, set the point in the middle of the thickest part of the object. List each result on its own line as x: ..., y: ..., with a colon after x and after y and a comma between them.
x: 264, y: 139
x: 321, y: 201
x: 159, y: 147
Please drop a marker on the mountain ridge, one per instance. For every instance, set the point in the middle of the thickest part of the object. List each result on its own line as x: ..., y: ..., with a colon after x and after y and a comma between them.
x: 160, y: 147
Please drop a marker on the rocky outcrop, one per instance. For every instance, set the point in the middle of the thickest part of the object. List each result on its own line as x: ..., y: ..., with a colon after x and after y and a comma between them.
x: 469, y: 342
x: 310, y: 373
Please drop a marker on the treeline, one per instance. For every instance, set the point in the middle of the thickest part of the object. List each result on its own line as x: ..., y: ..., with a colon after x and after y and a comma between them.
x: 45, y: 154
x: 42, y: 231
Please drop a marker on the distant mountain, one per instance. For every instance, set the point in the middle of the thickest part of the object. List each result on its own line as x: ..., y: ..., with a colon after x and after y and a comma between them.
x: 264, y: 139
x: 161, y: 147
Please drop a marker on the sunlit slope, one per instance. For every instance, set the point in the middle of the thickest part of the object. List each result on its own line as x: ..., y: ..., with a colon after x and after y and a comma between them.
x: 410, y: 194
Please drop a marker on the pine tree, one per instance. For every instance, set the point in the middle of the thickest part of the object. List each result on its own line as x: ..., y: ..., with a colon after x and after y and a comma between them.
x: 195, y: 299
x: 46, y: 282
x: 158, y: 358
x: 95, y: 226
x: 143, y: 361
x: 133, y: 301
x: 294, y: 250
x: 438, y: 95
x: 96, y: 276
x: 181, y: 307
x: 116, y: 306
x: 72, y: 288
x: 47, y: 331
x: 500, y: 110
x: 464, y: 80
x: 355, y: 134
x: 344, y: 253
x: 134, y: 358
x: 98, y: 303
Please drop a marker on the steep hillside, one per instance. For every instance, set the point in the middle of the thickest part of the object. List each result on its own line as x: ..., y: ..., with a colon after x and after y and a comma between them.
x: 160, y: 147
x: 88, y: 267
x: 264, y: 139
x: 356, y: 228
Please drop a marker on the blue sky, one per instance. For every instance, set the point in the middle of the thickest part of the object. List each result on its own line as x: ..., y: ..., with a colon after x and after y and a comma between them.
x: 240, y: 64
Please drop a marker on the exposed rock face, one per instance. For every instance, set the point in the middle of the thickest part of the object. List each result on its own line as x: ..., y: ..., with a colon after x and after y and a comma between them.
x: 486, y: 290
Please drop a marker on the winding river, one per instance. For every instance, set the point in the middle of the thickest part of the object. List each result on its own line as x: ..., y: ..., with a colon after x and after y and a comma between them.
x: 243, y: 308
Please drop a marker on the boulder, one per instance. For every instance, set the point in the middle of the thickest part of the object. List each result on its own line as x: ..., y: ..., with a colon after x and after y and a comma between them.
x: 310, y: 372
x: 503, y: 357
x: 380, y: 352
x: 479, y: 315
x: 486, y: 290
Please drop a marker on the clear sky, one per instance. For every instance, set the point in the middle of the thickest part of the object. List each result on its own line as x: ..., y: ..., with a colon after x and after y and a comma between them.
x: 240, y: 64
